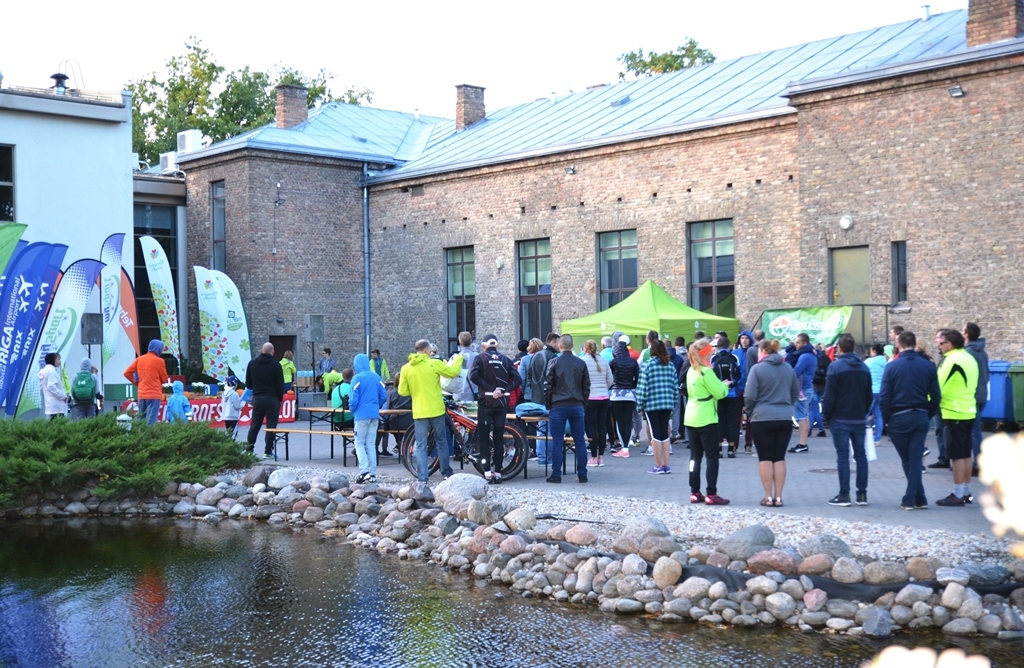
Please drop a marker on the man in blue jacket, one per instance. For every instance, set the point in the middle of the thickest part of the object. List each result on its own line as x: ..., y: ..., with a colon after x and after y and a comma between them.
x: 804, y: 360
x: 845, y: 407
x: 367, y: 398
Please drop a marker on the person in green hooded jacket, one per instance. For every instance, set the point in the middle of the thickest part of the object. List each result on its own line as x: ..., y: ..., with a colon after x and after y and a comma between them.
x: 703, y: 389
x: 421, y: 380
x: 958, y: 383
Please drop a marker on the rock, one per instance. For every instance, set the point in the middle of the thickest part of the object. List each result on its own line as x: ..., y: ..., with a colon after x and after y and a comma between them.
x: 840, y: 625
x: 828, y: 544
x: 815, y: 619
x: 815, y: 599
x: 848, y: 570
x: 666, y: 572
x: 461, y: 487
x: 793, y: 588
x: 877, y: 623
x: 971, y: 608
x: 693, y: 588
x: 679, y: 606
x: 183, y: 507
x: 953, y: 595
x: 772, y: 560
x: 985, y: 575
x: 718, y: 591
x: 816, y: 564
x: 520, y: 519
x: 264, y: 512
x: 653, y: 548
x: 318, y: 497
x: 838, y: 607
x: 581, y: 534
x: 960, y: 627
x: 940, y: 615
x: 1017, y: 597
x: 745, y: 621
x: 762, y: 585
x: 924, y: 568
x: 447, y: 525
x: 989, y: 625
x: 346, y: 519
x: 280, y: 478
x: 640, y: 528
x: 514, y: 545
x: 700, y: 553
x: 421, y: 490
x: 1011, y: 620
x: 912, y: 594
x: 718, y: 560
x: 634, y: 564
x: 780, y: 605
x: 226, y: 504
x: 338, y: 481
x: 628, y: 606
x: 76, y: 508
x: 625, y: 545
x: 947, y: 575
x: 746, y: 542
x: 300, y: 506
x: 885, y: 572
x: 312, y: 514
x: 901, y: 614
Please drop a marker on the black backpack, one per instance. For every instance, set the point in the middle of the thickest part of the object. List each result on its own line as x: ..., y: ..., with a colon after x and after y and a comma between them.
x: 821, y: 371
x: 725, y: 366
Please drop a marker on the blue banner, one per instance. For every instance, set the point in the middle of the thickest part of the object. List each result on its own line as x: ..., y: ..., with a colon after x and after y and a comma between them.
x: 25, y: 277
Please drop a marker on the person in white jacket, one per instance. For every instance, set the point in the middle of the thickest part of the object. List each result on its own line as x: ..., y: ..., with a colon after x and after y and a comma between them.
x: 230, y: 405
x: 55, y: 399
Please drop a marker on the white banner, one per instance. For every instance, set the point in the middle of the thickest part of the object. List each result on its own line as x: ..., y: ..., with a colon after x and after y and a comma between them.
x: 212, y: 328
x: 236, y: 327
x: 159, y: 271
x: 110, y: 294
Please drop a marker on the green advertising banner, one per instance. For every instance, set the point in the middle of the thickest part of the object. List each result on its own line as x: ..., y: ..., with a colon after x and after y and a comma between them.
x: 823, y: 324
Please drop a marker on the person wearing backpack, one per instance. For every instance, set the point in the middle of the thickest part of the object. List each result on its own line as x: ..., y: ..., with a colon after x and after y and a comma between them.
x: 818, y: 392
x: 340, y: 394
x: 726, y: 366
x: 85, y: 392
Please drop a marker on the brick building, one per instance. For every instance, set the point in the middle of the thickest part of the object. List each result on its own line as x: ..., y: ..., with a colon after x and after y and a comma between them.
x: 883, y: 167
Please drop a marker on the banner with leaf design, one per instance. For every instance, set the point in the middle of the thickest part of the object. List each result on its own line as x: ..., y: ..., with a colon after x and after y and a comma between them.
x: 159, y: 271
x: 213, y: 338
x: 236, y: 327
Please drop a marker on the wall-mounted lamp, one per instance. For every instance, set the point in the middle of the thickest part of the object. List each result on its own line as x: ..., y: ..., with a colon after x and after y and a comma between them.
x: 571, y: 169
x: 956, y: 91
x: 60, y: 85
x: 499, y: 263
x: 846, y: 222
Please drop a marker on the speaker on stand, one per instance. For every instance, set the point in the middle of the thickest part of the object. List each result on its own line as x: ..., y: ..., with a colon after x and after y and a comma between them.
x: 92, y: 334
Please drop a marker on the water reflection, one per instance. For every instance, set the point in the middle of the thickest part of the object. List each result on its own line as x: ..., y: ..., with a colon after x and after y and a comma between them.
x: 176, y: 593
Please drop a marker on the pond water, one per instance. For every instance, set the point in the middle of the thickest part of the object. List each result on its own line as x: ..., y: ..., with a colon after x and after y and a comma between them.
x: 179, y: 593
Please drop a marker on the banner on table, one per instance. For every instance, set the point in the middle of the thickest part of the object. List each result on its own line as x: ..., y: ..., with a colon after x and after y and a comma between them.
x: 209, y: 410
x: 823, y: 324
x: 236, y: 327
x: 159, y: 271
x: 212, y: 328
x: 29, y: 284
x: 62, y: 325
x: 110, y: 294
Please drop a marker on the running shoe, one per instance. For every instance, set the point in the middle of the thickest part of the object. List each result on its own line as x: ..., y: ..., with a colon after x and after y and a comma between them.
x: 802, y: 447
x: 654, y: 470
x: 648, y: 451
x: 696, y: 497
x: 715, y: 500
x: 665, y: 469
x: 840, y: 500
x: 623, y: 453
x: 951, y: 500
x: 592, y: 461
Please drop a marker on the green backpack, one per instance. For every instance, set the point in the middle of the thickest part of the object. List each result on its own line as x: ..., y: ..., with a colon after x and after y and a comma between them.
x: 84, y: 388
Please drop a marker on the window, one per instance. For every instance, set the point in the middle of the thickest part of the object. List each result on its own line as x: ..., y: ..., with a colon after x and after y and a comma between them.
x: 534, y: 288
x: 711, y: 271
x: 618, y: 270
x: 6, y: 183
x: 158, y: 222
x: 461, y: 294
x: 899, y: 271
x: 217, y: 198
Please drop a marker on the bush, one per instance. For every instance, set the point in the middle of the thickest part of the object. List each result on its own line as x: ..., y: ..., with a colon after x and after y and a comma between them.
x: 61, y: 456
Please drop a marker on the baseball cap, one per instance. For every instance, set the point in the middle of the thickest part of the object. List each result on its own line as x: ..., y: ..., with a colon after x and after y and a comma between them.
x: 490, y: 339
x: 624, y: 339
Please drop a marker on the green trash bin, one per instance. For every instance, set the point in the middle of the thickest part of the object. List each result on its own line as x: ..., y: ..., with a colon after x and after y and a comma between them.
x: 1016, y: 374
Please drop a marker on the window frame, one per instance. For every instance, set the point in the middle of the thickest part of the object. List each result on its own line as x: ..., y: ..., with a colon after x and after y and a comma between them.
x: 608, y: 296
x: 715, y: 284
x: 537, y: 303
x: 900, y: 288
x: 148, y: 322
x: 218, y: 246
x: 5, y: 218
x: 464, y: 305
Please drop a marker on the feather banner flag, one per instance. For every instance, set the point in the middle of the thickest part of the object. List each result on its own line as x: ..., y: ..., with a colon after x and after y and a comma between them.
x: 159, y: 271
x: 213, y: 338
x: 236, y: 327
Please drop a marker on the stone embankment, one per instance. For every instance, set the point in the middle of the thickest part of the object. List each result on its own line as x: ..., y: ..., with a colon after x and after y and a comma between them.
x: 744, y: 579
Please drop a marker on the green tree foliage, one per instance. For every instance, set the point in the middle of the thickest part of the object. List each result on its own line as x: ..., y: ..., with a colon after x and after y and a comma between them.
x: 197, y: 93
x: 644, y: 65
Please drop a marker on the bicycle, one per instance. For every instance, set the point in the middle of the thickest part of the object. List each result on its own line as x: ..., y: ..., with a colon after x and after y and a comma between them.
x: 464, y: 445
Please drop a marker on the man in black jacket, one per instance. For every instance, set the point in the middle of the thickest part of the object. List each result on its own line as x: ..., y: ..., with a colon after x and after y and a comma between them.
x: 265, y: 378
x: 845, y: 408
x: 495, y: 378
x: 566, y: 390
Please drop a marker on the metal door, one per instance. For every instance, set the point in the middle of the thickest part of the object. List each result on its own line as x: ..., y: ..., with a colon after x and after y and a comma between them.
x: 850, y: 279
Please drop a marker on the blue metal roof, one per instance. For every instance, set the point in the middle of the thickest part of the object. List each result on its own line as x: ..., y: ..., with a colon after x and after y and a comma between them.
x: 750, y: 86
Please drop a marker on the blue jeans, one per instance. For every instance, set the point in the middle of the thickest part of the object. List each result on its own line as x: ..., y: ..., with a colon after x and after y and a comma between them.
x: 843, y: 433
x: 940, y: 441
x: 815, y: 411
x: 366, y: 439
x: 976, y: 432
x: 151, y: 409
x: 434, y: 428
x: 908, y: 431
x: 876, y: 410
x: 557, y: 417
x: 541, y: 444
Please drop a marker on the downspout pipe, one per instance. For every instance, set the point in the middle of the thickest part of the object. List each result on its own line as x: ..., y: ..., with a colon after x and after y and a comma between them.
x: 366, y: 260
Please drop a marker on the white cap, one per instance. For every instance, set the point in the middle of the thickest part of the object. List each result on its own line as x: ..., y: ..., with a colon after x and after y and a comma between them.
x: 624, y: 339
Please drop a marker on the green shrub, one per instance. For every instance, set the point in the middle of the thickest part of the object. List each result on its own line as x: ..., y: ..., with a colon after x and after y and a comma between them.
x: 61, y: 456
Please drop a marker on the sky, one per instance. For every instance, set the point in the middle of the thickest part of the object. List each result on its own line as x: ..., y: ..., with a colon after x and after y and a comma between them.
x: 413, y: 54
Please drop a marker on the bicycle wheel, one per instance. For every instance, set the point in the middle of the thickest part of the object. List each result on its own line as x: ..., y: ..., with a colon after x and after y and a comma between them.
x: 408, y: 457
x: 515, y: 453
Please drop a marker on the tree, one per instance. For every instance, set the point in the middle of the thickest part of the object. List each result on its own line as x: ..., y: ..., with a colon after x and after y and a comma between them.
x: 185, y: 99
x: 685, y: 56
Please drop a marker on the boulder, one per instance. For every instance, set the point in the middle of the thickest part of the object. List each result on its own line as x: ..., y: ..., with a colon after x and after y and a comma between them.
x: 514, y: 545
x: 885, y: 572
x: 816, y: 564
x: 947, y: 575
x: 960, y: 627
x: 634, y: 564
x: 924, y: 568
x: 520, y: 519
x: 762, y: 585
x: 746, y: 542
x: 772, y: 560
x: 848, y: 570
x: 718, y: 560
x: 666, y: 572
x: 625, y: 545
x: 828, y: 544
x: 877, y: 623
x: 912, y: 594
x: 985, y: 575
x: 581, y: 534
x: 815, y: 599
x: 312, y: 514
x: 338, y: 481
x: 642, y: 527
x: 780, y: 604
x: 461, y: 487
x: 653, y: 548
x: 280, y: 478
x: 692, y: 588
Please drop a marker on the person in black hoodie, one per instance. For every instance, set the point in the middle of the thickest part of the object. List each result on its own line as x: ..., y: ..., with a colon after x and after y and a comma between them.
x: 622, y: 395
x: 495, y: 378
x: 265, y: 378
x: 845, y: 408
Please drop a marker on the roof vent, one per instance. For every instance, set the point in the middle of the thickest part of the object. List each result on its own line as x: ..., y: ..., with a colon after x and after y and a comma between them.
x: 359, y: 139
x: 619, y: 102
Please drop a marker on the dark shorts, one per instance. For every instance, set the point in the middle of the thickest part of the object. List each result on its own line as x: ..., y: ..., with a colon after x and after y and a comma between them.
x: 956, y: 435
x: 771, y: 438
x: 659, y: 421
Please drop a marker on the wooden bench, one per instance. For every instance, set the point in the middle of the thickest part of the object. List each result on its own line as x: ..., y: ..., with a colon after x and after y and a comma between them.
x: 569, y: 444
x: 282, y: 434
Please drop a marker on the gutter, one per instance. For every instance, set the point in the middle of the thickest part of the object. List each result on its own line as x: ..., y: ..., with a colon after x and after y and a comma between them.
x: 366, y: 261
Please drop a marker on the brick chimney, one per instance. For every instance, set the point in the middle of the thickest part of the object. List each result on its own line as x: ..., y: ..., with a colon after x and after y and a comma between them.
x: 291, y: 106
x: 469, y: 106
x: 994, y: 21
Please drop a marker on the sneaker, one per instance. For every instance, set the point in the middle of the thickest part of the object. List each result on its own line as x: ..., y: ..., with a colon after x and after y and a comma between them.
x: 974, y: 471
x: 654, y: 470
x: 862, y: 498
x: 635, y: 443
x: 840, y: 500
x: 926, y: 452
x: 921, y: 506
x: 554, y: 478
x: 615, y: 447
x: 821, y: 433
x: 731, y: 454
x: 532, y: 459
x: 696, y: 497
x: 903, y: 507
x: 665, y: 469
x: 600, y: 461
x: 592, y: 461
x: 488, y: 475
x: 648, y: 451
x: 967, y: 498
x: 624, y: 453
x: 715, y: 500
x: 370, y: 479
x: 582, y: 479
x: 670, y: 450
x: 951, y: 500
x: 496, y: 478
x: 268, y: 456
x: 802, y: 447
x: 939, y: 465
x: 362, y: 478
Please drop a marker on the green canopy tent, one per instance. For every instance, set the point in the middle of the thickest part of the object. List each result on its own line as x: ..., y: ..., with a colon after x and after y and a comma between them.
x: 649, y: 308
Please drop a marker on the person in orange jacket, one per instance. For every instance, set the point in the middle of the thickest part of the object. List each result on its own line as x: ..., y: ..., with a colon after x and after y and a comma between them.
x: 149, y: 373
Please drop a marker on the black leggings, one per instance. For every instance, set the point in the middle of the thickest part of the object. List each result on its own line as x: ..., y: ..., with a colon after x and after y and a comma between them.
x: 704, y: 441
x: 659, y: 422
x: 771, y: 438
x: 622, y: 413
x: 596, y: 418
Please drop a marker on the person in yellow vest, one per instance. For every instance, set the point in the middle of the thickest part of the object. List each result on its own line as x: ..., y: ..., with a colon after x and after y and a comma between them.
x: 288, y: 367
x: 958, y: 383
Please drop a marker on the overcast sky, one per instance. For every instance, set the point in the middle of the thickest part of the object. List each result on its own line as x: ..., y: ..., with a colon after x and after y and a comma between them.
x: 413, y: 54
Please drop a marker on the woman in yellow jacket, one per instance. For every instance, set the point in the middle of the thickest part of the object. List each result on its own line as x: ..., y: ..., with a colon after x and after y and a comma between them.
x: 703, y: 389
x: 288, y: 368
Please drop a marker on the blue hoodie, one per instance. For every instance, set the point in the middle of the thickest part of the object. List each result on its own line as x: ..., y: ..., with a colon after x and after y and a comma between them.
x: 368, y: 394
x: 178, y: 407
x: 741, y: 354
